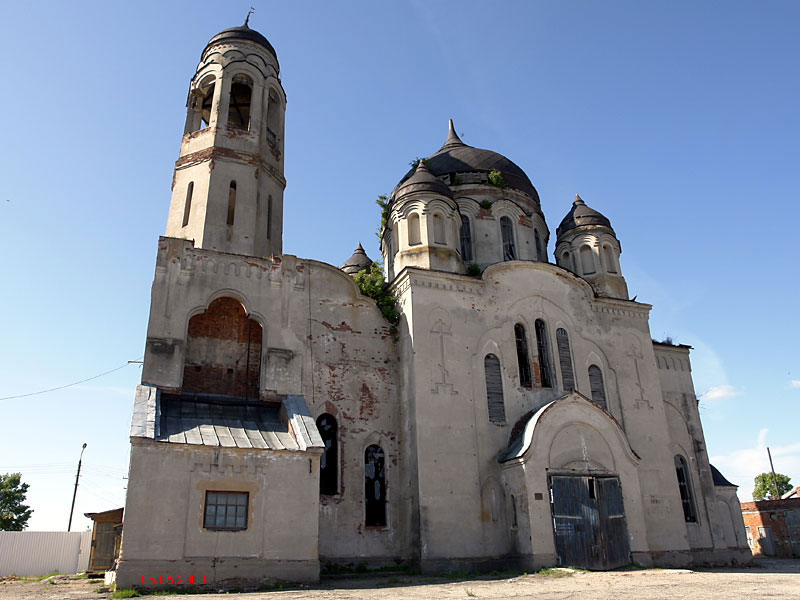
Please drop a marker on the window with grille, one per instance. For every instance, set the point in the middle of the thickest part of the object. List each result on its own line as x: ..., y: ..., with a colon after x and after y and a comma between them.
x: 565, y: 359
x: 597, y: 387
x: 544, y: 354
x: 494, y: 389
x: 226, y: 510
x: 521, y: 338
x: 685, y: 487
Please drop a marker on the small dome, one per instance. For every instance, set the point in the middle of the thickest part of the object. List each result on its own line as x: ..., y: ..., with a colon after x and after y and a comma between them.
x: 581, y: 215
x: 423, y: 181
x: 358, y: 262
x: 242, y: 33
x: 457, y: 157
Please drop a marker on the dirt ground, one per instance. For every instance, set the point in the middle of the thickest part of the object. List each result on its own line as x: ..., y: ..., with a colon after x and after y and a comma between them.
x: 766, y: 579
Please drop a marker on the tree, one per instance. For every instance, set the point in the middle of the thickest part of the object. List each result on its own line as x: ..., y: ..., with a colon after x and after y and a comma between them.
x: 14, y: 514
x: 372, y: 285
x: 765, y: 486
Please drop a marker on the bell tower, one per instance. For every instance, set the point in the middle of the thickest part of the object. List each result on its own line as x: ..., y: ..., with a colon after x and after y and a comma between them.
x: 227, y: 189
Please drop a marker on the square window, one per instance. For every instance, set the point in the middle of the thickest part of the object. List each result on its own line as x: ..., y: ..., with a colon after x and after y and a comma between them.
x: 226, y: 510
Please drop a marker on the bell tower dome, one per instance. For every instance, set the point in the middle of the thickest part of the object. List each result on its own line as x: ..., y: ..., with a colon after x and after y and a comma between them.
x: 227, y: 189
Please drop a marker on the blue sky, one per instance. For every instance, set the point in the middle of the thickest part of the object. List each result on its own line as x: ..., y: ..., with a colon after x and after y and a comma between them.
x: 677, y: 120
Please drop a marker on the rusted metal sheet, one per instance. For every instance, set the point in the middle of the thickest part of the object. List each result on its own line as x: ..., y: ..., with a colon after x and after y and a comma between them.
x: 589, y: 522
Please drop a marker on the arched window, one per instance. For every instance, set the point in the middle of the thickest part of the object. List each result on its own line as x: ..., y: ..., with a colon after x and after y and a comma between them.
x: 329, y: 462
x: 438, y: 229
x: 223, y: 351
x: 187, y: 207
x: 273, y: 117
x: 611, y: 263
x: 494, y: 389
x: 565, y: 359
x: 566, y: 262
x: 587, y: 260
x: 466, y: 239
x: 201, y: 98
x: 389, y: 252
x: 231, y: 203
x: 413, y: 230
x: 538, y: 240
x: 239, y: 105
x: 269, y: 217
x: 544, y: 354
x: 374, y: 487
x: 522, y: 355
x: 597, y: 387
x: 507, y: 233
x: 685, y: 487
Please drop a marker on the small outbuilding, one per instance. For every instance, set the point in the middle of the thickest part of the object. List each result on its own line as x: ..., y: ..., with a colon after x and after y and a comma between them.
x: 106, y: 538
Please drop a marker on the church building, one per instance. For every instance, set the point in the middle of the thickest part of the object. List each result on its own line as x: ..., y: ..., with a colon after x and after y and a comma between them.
x: 517, y: 415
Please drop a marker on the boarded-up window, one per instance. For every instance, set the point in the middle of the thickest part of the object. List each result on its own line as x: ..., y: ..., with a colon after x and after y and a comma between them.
x: 685, y: 486
x: 597, y: 387
x: 521, y: 338
x: 565, y: 359
x: 494, y: 389
x: 187, y: 207
x: 239, y: 105
x: 223, y: 351
x: 329, y: 461
x: 611, y: 263
x: 374, y: 487
x: 538, y: 240
x: 466, y: 239
x: 273, y: 117
x: 566, y: 262
x: 438, y: 229
x: 587, y: 260
x: 543, y: 348
x: 414, y: 237
x: 231, y: 204
x: 507, y: 233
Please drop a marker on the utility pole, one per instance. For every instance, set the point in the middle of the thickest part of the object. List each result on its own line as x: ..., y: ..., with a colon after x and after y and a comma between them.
x: 75, y: 493
x: 774, y: 479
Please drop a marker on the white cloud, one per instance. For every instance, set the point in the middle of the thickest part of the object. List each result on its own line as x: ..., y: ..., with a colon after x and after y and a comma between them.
x: 794, y: 384
x: 718, y: 392
x: 741, y: 466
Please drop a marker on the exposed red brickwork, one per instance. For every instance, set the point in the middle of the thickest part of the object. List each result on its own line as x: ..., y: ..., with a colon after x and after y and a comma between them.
x: 223, y: 351
x: 773, y: 514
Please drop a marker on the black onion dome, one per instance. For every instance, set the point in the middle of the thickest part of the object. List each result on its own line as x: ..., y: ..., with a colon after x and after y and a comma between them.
x: 457, y: 157
x: 581, y: 215
x: 243, y: 33
x: 358, y: 262
x: 423, y: 181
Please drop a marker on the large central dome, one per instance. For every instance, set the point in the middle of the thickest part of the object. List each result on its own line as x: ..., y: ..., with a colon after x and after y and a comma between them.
x: 457, y: 157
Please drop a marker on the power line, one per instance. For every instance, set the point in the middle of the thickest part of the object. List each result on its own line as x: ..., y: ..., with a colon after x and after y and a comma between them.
x: 61, y: 387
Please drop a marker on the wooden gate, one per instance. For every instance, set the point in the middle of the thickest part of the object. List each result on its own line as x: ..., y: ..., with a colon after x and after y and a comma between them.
x: 589, y: 522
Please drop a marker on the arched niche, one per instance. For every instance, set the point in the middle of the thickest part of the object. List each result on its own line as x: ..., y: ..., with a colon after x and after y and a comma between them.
x: 223, y: 351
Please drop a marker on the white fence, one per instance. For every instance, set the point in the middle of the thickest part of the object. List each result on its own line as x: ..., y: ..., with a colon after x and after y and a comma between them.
x: 34, y: 553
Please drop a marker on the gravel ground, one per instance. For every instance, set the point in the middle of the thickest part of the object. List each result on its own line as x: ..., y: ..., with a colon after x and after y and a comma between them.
x: 766, y: 579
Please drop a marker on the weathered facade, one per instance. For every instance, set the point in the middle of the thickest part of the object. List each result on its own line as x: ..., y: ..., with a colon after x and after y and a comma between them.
x: 518, y: 414
x: 773, y: 527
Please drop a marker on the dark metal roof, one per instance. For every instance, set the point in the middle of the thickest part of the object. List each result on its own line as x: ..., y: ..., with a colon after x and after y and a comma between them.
x: 457, y: 157
x: 423, y: 181
x: 243, y: 33
x: 357, y: 262
x: 581, y: 215
x: 719, y: 478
